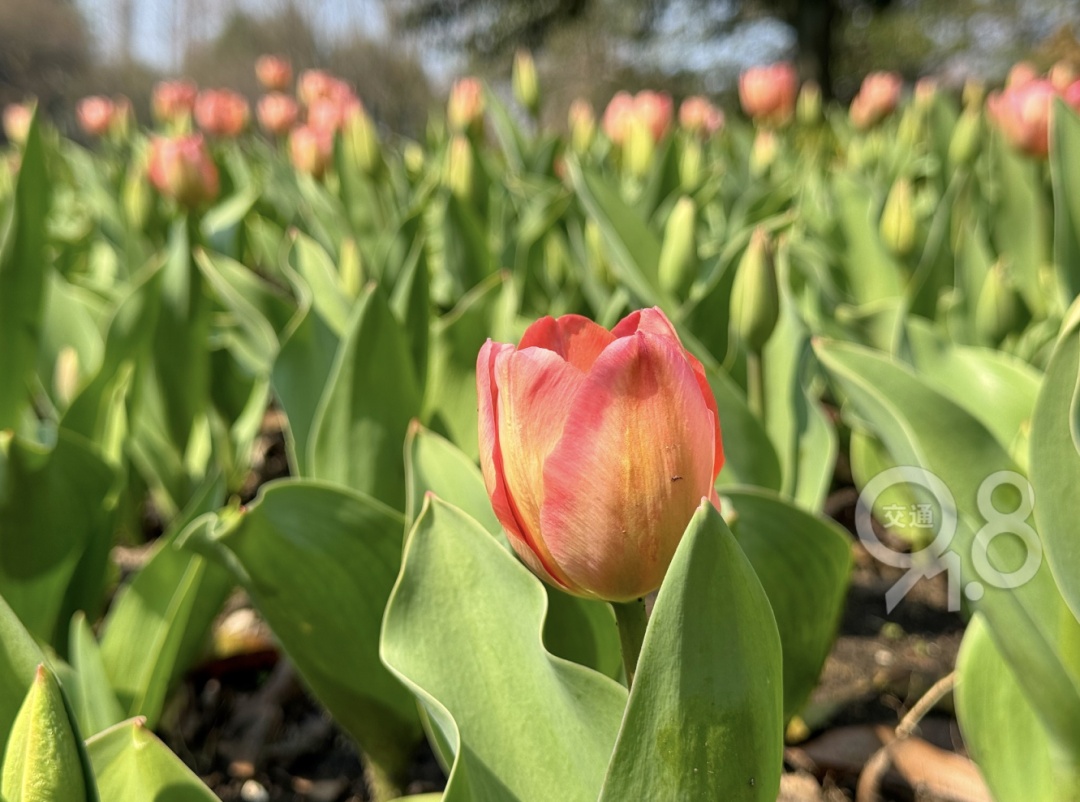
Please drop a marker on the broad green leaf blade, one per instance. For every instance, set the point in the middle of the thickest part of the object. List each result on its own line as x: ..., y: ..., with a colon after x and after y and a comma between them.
x: 131, y: 763
x: 634, y: 248
x: 318, y: 562
x: 315, y: 267
x: 19, y: 659
x: 577, y: 629
x: 1064, y: 155
x: 92, y: 697
x: 462, y: 630
x: 803, y: 562
x: 371, y: 396
x: 42, y: 541
x: 705, y: 715
x: 42, y: 761
x: 1003, y: 733
x: 23, y: 275
x: 1021, y: 221
x: 749, y: 455
x: 872, y: 273
x: 1055, y: 467
x: 161, y: 618
x: 921, y: 427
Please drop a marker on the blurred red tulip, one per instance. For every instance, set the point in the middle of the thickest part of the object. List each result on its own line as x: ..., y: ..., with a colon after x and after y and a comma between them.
x: 274, y: 73
x: 182, y: 169
x: 173, y: 101
x: 277, y: 113
x: 768, y: 93
x: 222, y: 112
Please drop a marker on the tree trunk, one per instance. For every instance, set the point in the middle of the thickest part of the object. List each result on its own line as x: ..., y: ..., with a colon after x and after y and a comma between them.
x: 813, y: 22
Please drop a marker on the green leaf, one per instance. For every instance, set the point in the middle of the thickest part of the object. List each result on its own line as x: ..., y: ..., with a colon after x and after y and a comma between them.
x: 316, y: 268
x: 1055, y: 466
x: 371, y: 396
x: 1064, y: 153
x: 749, y: 455
x: 42, y: 762
x: 318, y: 562
x: 1015, y: 753
x: 634, y: 248
x: 462, y: 630
x: 131, y: 763
x: 43, y: 541
x: 872, y: 273
x: 803, y: 562
x: 160, y: 618
x: 705, y: 715
x: 95, y: 703
x: 921, y: 427
x: 23, y: 275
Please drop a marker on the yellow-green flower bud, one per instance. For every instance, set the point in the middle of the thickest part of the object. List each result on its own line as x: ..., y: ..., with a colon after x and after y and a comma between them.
x: 897, y: 225
x: 361, y: 142
x: 639, y: 148
x: 966, y: 137
x: 461, y: 168
x: 66, y: 375
x: 526, y: 84
x: 42, y: 762
x: 351, y: 268
x: 413, y: 157
x: 974, y: 94
x: 582, y: 121
x: 808, y: 107
x: 997, y: 310
x: 763, y: 152
x: 678, y: 254
x: 755, y: 297
x: 690, y: 161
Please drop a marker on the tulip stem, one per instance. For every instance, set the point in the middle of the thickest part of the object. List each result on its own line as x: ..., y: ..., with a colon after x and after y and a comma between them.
x: 755, y: 384
x: 632, y: 621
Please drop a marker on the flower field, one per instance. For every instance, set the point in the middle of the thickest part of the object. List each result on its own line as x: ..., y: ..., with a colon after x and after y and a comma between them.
x: 561, y: 418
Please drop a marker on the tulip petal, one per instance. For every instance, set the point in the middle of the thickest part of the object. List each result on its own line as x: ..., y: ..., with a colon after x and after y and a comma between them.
x: 576, y: 339
x: 634, y: 461
x: 536, y: 388
x: 487, y: 391
x: 656, y: 322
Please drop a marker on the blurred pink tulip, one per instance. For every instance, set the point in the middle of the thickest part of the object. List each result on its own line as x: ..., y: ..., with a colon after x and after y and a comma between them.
x: 653, y: 109
x: 878, y: 97
x: 17, y: 117
x: 1022, y: 113
x: 597, y: 447
x: 182, y: 169
x: 222, y: 112
x: 274, y: 73
x: 173, y: 101
x: 95, y: 115
x: 465, y: 108
x: 700, y: 117
x: 768, y: 94
x: 277, y: 113
x: 311, y: 149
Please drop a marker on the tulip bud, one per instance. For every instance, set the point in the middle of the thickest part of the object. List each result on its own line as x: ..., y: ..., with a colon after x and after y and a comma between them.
x: 1021, y: 73
x: 617, y: 117
x: 926, y: 91
x: 768, y: 93
x: 222, y: 112
x: 678, y: 253
x: 1063, y: 75
x: 997, y: 311
x: 755, y: 297
x: 699, y: 117
x: 66, y: 375
x: 974, y: 94
x: 361, y: 142
x: 311, y: 150
x: 808, y: 109
x: 137, y: 200
x: 638, y: 149
x: 878, y: 97
x: 461, y: 169
x: 597, y: 447
x: 122, y: 119
x: 582, y: 123
x: 274, y: 73
x: 526, y: 85
x: 763, y: 152
x: 173, y: 102
x: 412, y: 155
x: 42, y: 759
x: 690, y: 161
x: 277, y: 113
x: 966, y: 138
x: 182, y: 169
x: 897, y: 225
x: 465, y: 109
x: 95, y: 115
x: 17, y: 119
x: 351, y: 268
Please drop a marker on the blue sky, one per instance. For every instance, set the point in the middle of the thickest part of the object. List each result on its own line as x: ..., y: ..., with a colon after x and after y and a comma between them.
x: 155, y: 22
